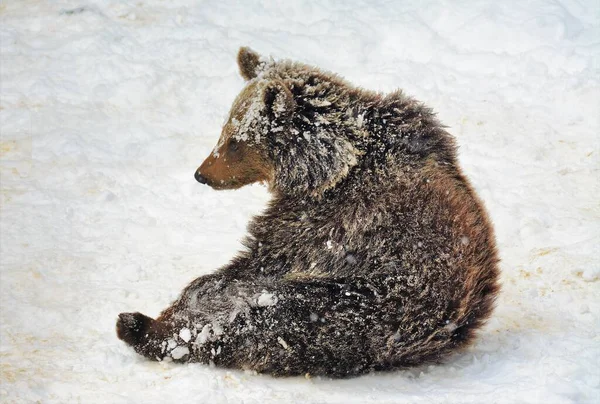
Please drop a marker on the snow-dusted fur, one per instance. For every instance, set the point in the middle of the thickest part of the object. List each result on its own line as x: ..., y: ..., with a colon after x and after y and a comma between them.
x: 374, y: 253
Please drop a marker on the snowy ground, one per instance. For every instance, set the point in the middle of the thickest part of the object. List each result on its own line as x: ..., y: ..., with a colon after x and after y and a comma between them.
x: 107, y: 108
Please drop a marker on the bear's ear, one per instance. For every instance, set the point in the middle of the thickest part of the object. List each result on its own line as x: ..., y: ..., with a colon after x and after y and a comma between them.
x: 279, y: 101
x: 249, y: 63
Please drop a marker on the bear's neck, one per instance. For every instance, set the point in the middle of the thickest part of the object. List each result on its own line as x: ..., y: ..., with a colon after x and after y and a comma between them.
x: 395, y: 128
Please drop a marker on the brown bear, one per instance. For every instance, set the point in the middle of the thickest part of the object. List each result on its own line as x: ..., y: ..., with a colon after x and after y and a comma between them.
x: 373, y: 254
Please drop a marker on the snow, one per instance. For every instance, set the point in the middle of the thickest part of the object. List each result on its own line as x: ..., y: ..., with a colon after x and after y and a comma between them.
x: 266, y: 299
x: 185, y: 334
x: 204, y: 335
x: 283, y: 343
x: 108, y: 107
x: 179, y: 352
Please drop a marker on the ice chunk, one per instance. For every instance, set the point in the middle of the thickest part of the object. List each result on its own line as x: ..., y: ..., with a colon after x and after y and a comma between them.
x: 267, y: 299
x: 217, y: 329
x: 185, y: 334
x: 179, y: 352
x: 203, y: 335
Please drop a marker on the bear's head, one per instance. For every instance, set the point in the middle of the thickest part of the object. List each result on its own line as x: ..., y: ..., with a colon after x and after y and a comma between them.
x: 286, y: 129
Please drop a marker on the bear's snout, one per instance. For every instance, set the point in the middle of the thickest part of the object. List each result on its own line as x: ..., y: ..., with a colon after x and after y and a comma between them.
x: 201, y: 179
x: 233, y: 165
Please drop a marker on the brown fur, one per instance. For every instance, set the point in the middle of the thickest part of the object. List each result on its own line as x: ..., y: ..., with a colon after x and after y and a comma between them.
x: 374, y: 254
x: 236, y: 166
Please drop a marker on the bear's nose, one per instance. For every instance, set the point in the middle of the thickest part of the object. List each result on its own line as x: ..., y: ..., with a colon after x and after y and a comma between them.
x: 199, y: 178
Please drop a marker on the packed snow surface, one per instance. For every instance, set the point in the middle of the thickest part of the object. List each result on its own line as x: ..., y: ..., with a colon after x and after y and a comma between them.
x: 107, y: 107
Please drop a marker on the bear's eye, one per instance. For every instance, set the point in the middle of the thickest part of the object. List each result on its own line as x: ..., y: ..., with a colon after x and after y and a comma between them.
x: 234, y: 145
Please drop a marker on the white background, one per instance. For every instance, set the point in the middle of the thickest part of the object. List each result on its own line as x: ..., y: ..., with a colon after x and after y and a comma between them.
x: 107, y: 108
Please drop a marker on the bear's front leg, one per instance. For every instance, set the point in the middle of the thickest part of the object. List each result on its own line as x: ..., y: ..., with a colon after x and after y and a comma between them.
x: 323, y: 327
x: 144, y: 334
x: 169, y: 336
